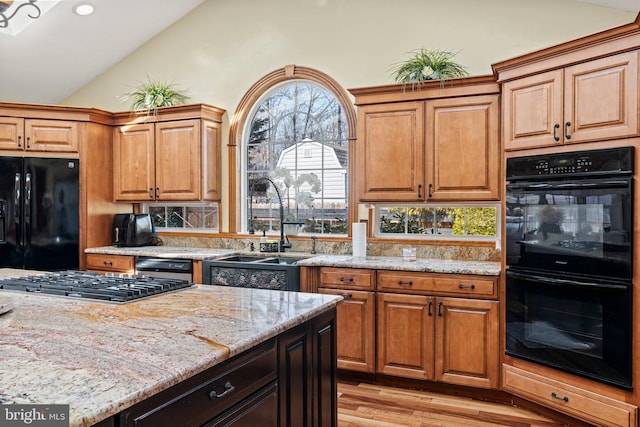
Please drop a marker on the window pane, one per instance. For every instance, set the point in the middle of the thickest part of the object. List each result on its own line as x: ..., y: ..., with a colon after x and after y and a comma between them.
x: 298, y: 139
x: 439, y: 221
x: 196, y: 216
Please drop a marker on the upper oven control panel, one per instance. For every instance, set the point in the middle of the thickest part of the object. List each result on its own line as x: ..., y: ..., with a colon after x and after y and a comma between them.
x: 611, y: 161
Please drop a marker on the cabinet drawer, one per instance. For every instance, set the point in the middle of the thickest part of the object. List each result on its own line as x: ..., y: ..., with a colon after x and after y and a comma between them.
x: 398, y: 281
x: 573, y: 401
x: 472, y: 286
x: 347, y: 278
x: 437, y: 284
x: 118, y: 263
x: 209, y: 394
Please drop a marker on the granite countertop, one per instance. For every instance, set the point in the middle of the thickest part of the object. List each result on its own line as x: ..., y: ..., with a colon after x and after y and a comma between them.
x: 101, y: 358
x: 162, y: 251
x: 427, y: 265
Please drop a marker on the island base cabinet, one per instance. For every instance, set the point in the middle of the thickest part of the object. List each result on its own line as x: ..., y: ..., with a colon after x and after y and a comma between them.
x: 260, y: 409
x: 307, y: 374
x: 287, y: 381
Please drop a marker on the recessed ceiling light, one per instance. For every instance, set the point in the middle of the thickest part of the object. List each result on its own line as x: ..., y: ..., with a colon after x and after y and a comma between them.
x: 83, y: 9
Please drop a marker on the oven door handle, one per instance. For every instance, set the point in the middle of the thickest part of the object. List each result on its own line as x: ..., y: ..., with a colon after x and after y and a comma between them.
x: 563, y: 282
x: 530, y: 186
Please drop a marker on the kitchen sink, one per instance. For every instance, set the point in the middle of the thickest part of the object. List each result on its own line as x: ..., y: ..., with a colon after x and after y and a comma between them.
x: 252, y: 271
x: 241, y: 258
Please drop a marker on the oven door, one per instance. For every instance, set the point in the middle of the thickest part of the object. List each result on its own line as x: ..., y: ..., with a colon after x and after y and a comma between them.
x: 576, y: 326
x: 582, y: 227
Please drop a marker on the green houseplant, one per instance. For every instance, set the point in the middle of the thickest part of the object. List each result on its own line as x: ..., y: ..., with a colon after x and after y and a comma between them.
x: 428, y: 64
x: 151, y: 95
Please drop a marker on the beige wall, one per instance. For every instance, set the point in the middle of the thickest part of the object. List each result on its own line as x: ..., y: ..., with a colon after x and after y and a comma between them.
x: 224, y: 46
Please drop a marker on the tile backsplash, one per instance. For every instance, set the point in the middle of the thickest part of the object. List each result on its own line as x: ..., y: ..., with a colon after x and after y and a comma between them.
x: 374, y: 248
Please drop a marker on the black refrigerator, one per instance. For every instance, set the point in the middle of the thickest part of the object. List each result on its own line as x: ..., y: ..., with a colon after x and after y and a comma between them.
x: 39, y: 213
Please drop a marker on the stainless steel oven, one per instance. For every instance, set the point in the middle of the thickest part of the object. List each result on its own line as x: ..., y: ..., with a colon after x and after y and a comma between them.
x: 569, y: 227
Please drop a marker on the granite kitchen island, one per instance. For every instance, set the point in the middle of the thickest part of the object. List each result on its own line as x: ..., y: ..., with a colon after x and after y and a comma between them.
x: 103, y: 359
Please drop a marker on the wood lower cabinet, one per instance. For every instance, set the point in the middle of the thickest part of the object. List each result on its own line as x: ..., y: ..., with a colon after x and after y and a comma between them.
x: 355, y: 318
x: 575, y: 401
x: 169, y: 159
x: 467, y: 342
x: 110, y: 263
x: 591, y: 101
x: 450, y: 340
x: 39, y: 135
x: 431, y: 143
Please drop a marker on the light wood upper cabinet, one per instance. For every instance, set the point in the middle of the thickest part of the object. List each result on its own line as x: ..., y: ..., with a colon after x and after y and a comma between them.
x: 38, y: 135
x: 591, y: 101
x: 463, y: 148
x: 438, y: 142
x: 134, y: 163
x: 169, y: 160
x: 390, y: 152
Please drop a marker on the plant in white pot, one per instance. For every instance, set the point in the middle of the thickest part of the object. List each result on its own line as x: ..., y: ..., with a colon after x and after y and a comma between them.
x: 149, y: 96
x: 428, y: 64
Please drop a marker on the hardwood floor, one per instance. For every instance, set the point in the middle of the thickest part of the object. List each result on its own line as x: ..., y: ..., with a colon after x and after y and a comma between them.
x: 366, y: 405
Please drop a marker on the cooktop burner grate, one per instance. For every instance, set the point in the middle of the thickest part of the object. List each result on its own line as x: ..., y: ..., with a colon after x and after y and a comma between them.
x: 88, y: 285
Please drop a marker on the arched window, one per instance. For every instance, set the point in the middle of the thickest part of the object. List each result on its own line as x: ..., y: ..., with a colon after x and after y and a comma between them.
x: 295, y: 145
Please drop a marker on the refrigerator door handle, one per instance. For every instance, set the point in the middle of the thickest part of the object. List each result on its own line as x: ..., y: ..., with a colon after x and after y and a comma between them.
x: 27, y: 211
x: 16, y: 216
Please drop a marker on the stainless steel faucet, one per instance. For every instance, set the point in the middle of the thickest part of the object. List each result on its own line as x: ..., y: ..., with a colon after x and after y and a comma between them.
x: 284, y: 244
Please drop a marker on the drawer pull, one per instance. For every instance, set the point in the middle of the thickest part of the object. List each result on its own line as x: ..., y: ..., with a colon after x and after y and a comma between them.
x: 107, y: 262
x: 461, y: 286
x: 228, y: 388
x: 555, y: 396
x: 350, y: 279
x: 400, y: 282
x: 346, y: 295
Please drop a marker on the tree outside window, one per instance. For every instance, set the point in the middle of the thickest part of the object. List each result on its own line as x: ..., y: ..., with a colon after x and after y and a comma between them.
x: 297, y: 137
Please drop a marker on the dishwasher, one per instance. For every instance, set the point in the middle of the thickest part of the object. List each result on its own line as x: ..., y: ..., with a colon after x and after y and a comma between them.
x: 166, y: 268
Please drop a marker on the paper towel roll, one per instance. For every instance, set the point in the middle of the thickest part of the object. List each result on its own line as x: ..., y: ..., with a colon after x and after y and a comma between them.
x: 359, y: 238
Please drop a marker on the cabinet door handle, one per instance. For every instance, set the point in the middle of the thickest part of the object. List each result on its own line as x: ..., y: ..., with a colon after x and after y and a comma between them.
x: 157, y: 192
x: 28, y: 142
x: 440, y: 309
x: 228, y: 388
x: 346, y: 295
x: 555, y: 396
x: 19, y: 141
x: 461, y: 286
x: 151, y: 193
x: 430, y: 188
x: 429, y: 313
x: 350, y: 279
x: 419, y: 191
x: 555, y: 131
x: 400, y: 282
x: 566, y: 130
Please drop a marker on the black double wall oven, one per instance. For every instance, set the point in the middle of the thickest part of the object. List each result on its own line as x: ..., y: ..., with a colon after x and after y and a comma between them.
x: 569, y: 252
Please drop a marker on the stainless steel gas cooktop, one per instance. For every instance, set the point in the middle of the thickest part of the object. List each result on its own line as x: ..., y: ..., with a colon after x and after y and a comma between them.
x: 88, y: 285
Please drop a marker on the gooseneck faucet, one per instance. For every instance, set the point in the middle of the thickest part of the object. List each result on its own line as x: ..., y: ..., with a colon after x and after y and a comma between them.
x: 283, y: 243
